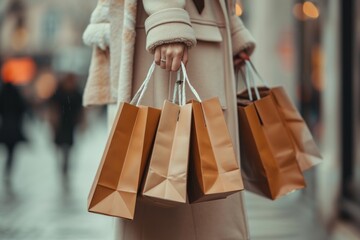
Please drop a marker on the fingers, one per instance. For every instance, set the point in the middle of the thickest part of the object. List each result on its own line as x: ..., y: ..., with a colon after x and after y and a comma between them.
x: 157, y: 55
x: 178, y: 57
x: 176, y: 64
x: 243, y: 55
x: 238, y: 61
x: 169, y: 59
x: 185, y: 56
x: 169, y: 56
x: 163, y: 59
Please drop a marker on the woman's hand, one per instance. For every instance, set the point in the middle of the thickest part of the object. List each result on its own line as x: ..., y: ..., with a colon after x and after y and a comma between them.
x: 169, y: 56
x: 240, y: 58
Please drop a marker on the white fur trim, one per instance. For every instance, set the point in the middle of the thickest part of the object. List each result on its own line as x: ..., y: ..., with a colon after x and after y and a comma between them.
x: 97, y: 35
x: 100, y: 13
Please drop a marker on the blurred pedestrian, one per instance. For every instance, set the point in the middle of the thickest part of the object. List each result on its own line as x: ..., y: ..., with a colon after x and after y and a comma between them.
x: 66, y: 104
x: 12, y: 110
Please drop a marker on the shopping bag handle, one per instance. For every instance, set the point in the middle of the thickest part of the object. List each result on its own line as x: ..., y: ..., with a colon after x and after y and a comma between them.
x: 250, y: 72
x: 178, y: 93
x: 187, y: 80
x: 180, y: 86
x: 141, y: 91
x: 182, y: 94
x: 256, y: 72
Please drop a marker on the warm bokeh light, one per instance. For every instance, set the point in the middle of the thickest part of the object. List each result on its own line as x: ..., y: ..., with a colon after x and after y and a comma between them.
x: 310, y: 10
x: 305, y: 11
x: 317, y: 77
x: 45, y: 85
x: 238, y: 9
x: 298, y: 11
x: 18, y: 71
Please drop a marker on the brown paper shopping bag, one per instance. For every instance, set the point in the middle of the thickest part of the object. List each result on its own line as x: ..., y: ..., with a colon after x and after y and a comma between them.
x: 117, y: 181
x: 307, y: 153
x: 269, y: 165
x: 214, y: 170
x: 166, y: 178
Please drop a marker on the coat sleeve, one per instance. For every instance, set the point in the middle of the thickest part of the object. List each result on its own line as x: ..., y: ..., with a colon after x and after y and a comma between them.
x: 168, y: 22
x: 240, y: 35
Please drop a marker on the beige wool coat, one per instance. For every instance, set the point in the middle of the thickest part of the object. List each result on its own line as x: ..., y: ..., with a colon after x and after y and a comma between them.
x: 213, y: 37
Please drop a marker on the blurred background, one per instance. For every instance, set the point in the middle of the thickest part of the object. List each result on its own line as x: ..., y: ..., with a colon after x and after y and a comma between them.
x: 50, y: 146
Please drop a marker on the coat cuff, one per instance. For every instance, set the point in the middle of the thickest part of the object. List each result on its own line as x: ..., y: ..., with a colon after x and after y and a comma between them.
x: 241, y: 37
x: 168, y: 26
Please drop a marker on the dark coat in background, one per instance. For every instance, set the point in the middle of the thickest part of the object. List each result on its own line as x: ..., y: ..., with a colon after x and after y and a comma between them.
x: 67, y: 104
x: 12, y: 110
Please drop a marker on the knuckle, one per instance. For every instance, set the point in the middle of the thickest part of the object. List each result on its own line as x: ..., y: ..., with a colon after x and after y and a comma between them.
x: 178, y: 52
x: 169, y: 53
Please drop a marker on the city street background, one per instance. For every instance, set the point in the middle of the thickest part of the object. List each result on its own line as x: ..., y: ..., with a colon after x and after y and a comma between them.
x: 39, y: 203
x: 312, y: 48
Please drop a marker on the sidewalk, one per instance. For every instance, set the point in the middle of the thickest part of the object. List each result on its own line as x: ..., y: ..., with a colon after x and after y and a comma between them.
x: 39, y: 204
x: 288, y: 218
